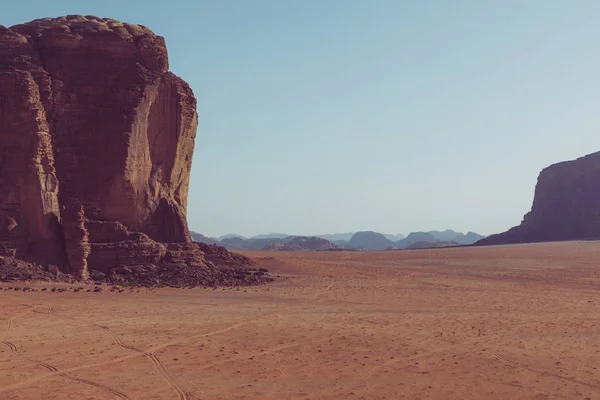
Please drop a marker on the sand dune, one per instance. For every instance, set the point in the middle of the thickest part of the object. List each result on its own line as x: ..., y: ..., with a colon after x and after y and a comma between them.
x: 509, y: 322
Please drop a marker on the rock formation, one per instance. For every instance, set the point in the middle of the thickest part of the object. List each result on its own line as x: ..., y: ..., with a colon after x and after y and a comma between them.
x: 468, y: 238
x: 302, y: 243
x: 566, y: 205
x: 369, y: 240
x: 415, y: 237
x: 96, y: 143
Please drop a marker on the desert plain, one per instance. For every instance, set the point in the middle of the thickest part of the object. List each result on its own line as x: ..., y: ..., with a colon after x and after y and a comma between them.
x: 502, y: 322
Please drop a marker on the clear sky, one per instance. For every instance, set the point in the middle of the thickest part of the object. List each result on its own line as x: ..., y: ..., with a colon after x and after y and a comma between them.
x: 322, y: 116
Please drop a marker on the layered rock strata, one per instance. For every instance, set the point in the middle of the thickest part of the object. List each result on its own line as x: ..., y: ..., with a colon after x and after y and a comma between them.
x: 96, y: 143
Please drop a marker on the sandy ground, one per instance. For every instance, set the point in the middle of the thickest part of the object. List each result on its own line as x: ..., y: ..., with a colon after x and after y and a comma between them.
x: 515, y: 322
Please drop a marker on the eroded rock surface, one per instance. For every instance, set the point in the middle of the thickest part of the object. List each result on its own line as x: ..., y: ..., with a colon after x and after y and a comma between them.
x: 566, y: 205
x: 96, y: 143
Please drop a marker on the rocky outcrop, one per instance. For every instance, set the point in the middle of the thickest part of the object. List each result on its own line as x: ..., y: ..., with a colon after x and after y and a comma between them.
x: 415, y: 237
x: 566, y: 205
x: 219, y: 256
x: 369, y: 240
x: 96, y: 143
x: 302, y: 243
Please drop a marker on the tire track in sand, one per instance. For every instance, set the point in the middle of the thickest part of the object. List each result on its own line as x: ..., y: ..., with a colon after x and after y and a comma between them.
x: 155, y: 361
x: 165, y: 373
x: 118, y: 340
x: 13, y: 348
x: 9, y: 327
x: 132, y: 356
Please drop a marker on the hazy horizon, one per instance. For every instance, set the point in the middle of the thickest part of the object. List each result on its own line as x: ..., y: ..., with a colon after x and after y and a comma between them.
x: 386, y: 115
x: 328, y: 233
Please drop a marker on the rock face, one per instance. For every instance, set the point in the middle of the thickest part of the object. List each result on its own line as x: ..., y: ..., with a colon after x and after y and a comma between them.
x: 566, y: 205
x: 96, y: 143
x: 369, y: 240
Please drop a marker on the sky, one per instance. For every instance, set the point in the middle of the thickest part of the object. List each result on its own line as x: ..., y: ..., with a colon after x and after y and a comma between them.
x: 323, y: 116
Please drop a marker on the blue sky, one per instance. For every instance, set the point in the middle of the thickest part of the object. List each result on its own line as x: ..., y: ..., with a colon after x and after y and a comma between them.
x: 322, y: 116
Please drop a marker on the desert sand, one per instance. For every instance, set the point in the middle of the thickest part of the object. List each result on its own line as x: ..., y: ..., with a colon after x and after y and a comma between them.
x: 507, y: 322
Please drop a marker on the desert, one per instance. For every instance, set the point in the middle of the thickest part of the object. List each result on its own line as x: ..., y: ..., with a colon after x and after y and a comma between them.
x: 500, y: 322
x: 127, y: 274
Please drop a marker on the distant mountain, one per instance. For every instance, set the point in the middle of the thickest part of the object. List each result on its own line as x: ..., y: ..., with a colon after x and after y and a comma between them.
x: 230, y: 236
x: 302, y: 243
x: 365, y: 240
x: 271, y: 236
x: 259, y: 244
x: 369, y: 240
x: 461, y: 238
x: 198, y: 237
x: 448, y: 234
x: 336, y: 236
x: 469, y: 238
x: 413, y: 238
x: 234, y: 243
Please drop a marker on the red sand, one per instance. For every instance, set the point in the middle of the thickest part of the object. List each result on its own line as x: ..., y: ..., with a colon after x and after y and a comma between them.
x: 511, y: 322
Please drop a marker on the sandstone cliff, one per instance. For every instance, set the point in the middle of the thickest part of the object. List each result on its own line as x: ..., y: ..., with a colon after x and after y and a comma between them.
x: 566, y: 205
x: 96, y: 143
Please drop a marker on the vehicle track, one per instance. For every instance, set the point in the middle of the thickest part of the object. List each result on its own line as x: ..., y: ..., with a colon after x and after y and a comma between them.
x: 11, y: 346
x: 162, y: 370
x: 9, y: 327
x: 501, y: 358
x: 165, y: 373
x: 14, y: 349
x: 98, y: 385
x: 48, y: 310
x: 56, y: 371
x: 135, y: 355
x: 118, y: 340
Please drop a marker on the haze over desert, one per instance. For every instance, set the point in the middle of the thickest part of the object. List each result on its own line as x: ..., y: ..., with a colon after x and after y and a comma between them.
x: 505, y: 322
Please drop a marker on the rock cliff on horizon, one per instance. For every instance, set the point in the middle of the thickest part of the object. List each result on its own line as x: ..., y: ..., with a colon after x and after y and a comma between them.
x: 369, y: 240
x: 566, y: 205
x: 96, y: 143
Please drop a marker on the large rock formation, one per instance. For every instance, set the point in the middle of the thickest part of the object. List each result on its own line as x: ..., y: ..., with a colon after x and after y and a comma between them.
x: 96, y: 143
x: 415, y: 237
x: 566, y: 205
x: 369, y: 240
